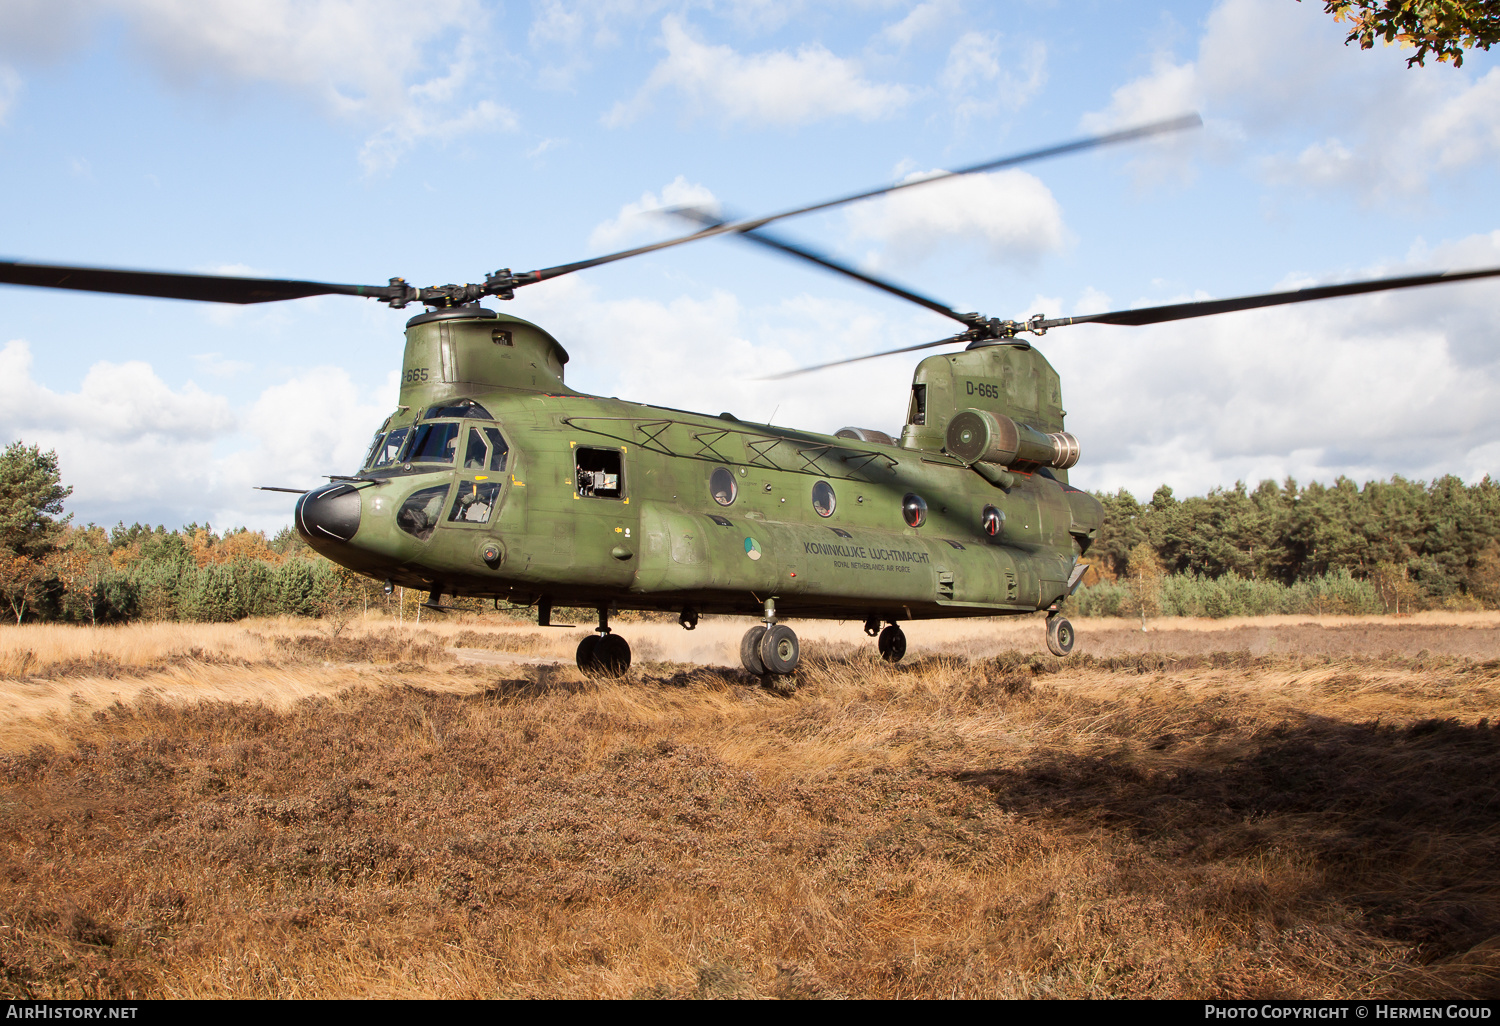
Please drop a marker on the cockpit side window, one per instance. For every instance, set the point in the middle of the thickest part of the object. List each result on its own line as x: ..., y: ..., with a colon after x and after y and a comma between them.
x: 499, y: 451
x: 476, y: 455
x: 486, y: 449
x: 434, y: 443
x: 375, y: 449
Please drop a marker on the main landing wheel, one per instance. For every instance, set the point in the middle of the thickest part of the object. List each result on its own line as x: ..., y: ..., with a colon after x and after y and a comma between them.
x: 779, y: 651
x: 612, y: 655
x: 586, y: 653
x: 1060, y: 636
x: 892, y: 644
x: 607, y: 654
x: 750, y: 650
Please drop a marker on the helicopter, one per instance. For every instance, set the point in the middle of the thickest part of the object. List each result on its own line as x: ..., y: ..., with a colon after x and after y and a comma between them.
x: 493, y: 478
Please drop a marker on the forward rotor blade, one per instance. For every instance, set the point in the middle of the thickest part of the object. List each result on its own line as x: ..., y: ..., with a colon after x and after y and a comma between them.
x: 806, y: 253
x: 1208, y: 307
x: 164, y: 285
x: 961, y: 337
x: 1077, y: 145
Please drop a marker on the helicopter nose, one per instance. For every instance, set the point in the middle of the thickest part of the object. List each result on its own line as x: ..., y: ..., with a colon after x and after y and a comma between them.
x: 331, y: 511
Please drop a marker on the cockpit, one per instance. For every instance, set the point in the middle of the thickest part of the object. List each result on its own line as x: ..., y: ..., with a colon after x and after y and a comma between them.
x: 448, y: 435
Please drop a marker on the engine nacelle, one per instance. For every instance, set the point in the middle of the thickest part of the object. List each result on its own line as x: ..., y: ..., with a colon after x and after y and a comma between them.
x: 978, y: 436
x: 865, y: 435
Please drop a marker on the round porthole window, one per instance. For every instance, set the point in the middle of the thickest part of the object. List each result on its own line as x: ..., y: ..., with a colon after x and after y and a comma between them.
x: 914, y: 510
x: 722, y: 487
x: 992, y: 520
x: 823, y: 499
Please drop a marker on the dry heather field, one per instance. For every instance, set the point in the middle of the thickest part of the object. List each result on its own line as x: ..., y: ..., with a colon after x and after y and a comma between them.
x: 1280, y: 807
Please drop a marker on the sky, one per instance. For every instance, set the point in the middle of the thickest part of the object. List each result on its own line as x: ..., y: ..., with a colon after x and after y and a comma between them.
x: 357, y: 140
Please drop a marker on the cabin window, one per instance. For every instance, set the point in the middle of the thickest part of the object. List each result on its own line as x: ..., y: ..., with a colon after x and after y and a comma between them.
x: 823, y: 500
x: 419, y: 514
x: 390, y: 452
x: 722, y: 486
x: 992, y: 520
x: 434, y: 443
x: 918, y: 412
x: 914, y: 510
x: 600, y: 473
x: 476, y: 501
x: 457, y: 408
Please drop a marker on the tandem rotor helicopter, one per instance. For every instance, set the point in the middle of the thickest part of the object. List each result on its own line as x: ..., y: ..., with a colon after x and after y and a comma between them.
x: 493, y: 478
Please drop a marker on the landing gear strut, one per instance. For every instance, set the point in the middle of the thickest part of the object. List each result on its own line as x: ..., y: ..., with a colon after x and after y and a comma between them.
x: 772, y: 648
x: 604, y: 653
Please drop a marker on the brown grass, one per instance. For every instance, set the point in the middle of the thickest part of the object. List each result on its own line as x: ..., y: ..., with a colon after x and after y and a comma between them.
x: 288, y: 814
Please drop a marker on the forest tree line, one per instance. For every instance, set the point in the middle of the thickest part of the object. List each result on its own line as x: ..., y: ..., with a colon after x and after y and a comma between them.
x: 1389, y: 546
x: 53, y: 570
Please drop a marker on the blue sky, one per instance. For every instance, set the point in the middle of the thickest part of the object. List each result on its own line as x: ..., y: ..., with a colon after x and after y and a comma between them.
x: 440, y: 139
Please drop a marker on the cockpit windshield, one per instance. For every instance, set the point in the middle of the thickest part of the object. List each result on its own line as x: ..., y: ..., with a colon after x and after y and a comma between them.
x: 481, y: 447
x: 434, y: 443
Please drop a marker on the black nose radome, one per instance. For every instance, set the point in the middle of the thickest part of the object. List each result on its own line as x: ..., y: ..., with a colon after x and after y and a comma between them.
x: 329, y: 512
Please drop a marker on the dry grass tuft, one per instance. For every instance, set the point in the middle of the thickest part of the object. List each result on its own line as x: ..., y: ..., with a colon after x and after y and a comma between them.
x: 292, y: 815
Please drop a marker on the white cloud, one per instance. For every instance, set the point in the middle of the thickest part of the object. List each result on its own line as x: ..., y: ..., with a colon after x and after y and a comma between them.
x: 640, y: 218
x: 377, y: 62
x: 385, y: 148
x: 777, y: 87
x: 315, y: 424
x: 10, y: 90
x: 1401, y: 382
x: 130, y: 445
x: 981, y: 79
x: 41, y: 30
x: 1011, y: 213
x: 708, y: 353
x: 922, y: 19
x: 544, y: 146
x: 556, y: 24
x: 1330, y: 115
x: 1168, y: 90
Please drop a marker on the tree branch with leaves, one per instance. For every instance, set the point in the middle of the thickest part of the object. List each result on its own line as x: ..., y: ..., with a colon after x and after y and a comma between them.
x: 1441, y: 28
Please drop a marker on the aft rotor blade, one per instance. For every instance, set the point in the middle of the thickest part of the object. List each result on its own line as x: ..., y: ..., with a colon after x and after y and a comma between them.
x: 806, y: 253
x: 1208, y: 307
x: 1176, y: 124
x: 209, y: 288
x: 962, y: 337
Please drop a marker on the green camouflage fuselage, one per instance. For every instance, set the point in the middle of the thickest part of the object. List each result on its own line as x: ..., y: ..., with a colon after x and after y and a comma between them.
x: 552, y: 495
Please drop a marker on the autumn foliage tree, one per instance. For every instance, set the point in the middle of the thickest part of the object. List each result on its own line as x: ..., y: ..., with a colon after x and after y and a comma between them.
x: 31, y: 499
x: 1441, y: 28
